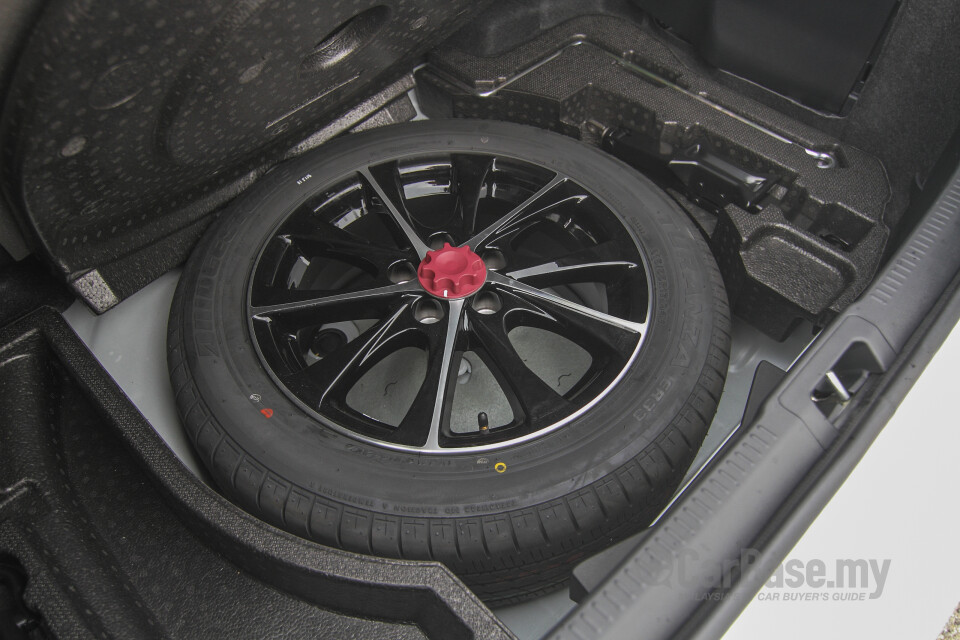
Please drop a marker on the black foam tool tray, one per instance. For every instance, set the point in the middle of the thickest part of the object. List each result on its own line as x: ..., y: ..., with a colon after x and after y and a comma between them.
x: 805, y: 251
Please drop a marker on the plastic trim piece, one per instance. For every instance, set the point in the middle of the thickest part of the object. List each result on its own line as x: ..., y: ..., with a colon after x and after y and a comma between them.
x: 744, y: 488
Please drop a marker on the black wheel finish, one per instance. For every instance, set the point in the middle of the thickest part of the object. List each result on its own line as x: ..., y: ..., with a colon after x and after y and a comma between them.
x: 560, y: 261
x: 322, y: 384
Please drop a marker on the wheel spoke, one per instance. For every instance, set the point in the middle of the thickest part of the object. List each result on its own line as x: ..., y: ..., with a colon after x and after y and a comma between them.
x: 540, y: 202
x: 470, y: 173
x: 423, y: 422
x: 523, y: 388
x: 610, y: 346
x: 593, y: 264
x: 577, y: 313
x: 393, y: 204
x: 334, y: 375
x: 318, y: 237
x: 304, y: 305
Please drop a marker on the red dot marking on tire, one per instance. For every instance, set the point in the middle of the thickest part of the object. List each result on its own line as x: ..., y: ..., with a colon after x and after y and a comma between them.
x: 267, y: 413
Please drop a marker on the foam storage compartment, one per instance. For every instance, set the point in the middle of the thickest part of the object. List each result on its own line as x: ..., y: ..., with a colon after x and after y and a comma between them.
x: 802, y: 251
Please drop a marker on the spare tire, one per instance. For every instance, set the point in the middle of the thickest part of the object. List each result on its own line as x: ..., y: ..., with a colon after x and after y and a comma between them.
x: 472, y: 342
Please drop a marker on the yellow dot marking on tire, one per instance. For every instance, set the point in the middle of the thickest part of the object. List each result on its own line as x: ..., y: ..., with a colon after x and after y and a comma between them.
x: 500, y: 467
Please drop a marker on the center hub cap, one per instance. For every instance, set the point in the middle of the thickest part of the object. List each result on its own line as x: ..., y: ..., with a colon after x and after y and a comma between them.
x: 452, y: 272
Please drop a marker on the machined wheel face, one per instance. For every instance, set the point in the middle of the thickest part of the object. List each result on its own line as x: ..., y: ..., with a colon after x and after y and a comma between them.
x: 449, y: 302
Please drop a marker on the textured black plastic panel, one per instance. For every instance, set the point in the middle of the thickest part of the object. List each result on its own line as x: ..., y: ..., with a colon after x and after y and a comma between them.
x: 118, y: 539
x: 814, y: 51
x: 127, y: 122
x: 819, y: 236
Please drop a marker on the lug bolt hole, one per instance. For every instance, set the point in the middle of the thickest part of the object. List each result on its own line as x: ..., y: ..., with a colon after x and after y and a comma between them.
x: 400, y: 272
x: 487, y: 303
x: 326, y: 341
x: 437, y: 241
x: 427, y: 311
x: 493, y: 259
